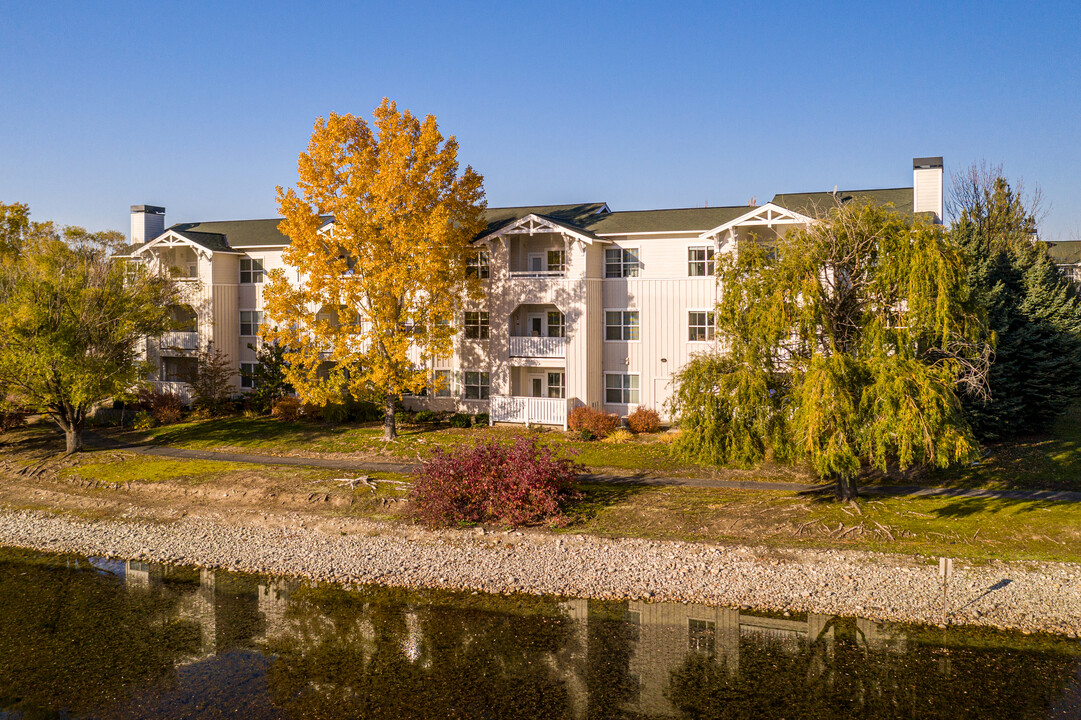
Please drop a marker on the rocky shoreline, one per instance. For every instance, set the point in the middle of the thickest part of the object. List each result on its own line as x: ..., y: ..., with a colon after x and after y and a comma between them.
x: 1026, y: 596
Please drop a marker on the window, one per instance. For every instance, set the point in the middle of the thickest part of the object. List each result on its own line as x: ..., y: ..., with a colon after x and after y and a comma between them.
x: 476, y: 325
x: 251, y: 271
x: 443, y: 383
x: 178, y: 369
x: 132, y: 271
x: 557, y: 261
x: 702, y: 636
x: 621, y: 262
x: 700, y: 261
x: 700, y: 326
x: 476, y: 385
x: 247, y: 375
x: 620, y: 389
x: 557, y: 386
x: 557, y: 324
x: 250, y: 320
x: 479, y: 264
x: 621, y: 325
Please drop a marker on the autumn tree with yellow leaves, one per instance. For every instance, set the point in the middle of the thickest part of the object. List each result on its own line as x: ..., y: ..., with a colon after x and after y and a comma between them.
x: 381, y: 283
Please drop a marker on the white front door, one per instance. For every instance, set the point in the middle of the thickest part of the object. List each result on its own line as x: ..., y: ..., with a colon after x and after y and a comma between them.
x: 536, y: 386
x: 536, y: 262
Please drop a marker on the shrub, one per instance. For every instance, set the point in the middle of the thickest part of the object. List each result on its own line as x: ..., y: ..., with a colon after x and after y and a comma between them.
x: 518, y: 485
x: 164, y: 406
x: 11, y: 419
x: 621, y: 435
x: 143, y: 421
x: 459, y: 420
x: 669, y: 437
x: 287, y: 409
x: 644, y: 420
x: 365, y: 411
x: 480, y: 419
x: 213, y: 381
x: 311, y: 411
x: 599, y: 423
x: 427, y: 416
x: 335, y: 413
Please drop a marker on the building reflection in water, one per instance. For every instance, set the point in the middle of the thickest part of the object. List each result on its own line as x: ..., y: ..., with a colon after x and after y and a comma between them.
x: 311, y: 651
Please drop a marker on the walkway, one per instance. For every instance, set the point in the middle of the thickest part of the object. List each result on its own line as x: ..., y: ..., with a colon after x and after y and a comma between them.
x: 363, y: 465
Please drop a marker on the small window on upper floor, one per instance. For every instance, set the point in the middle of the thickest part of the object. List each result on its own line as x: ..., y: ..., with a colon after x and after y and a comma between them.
x: 621, y: 262
x: 557, y: 324
x: 701, y: 326
x: 479, y: 264
x: 476, y: 325
x: 700, y: 261
x: 250, y: 320
x: 557, y: 261
x: 621, y: 325
x: 251, y: 271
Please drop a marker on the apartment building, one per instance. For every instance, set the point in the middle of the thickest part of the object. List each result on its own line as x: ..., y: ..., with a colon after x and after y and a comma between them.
x: 584, y: 305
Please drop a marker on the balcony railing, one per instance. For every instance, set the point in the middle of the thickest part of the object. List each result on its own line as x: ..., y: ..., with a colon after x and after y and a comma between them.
x: 180, y: 341
x: 528, y: 410
x: 182, y: 389
x: 537, y: 347
x: 539, y: 274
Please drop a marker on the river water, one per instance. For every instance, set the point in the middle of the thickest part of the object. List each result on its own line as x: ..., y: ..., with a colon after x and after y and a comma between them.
x: 91, y: 638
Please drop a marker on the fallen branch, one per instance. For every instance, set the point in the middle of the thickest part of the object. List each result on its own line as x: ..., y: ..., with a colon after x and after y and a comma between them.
x: 883, y: 529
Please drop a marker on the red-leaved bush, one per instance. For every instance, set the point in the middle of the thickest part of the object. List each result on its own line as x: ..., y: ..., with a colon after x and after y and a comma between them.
x: 644, y: 420
x: 523, y: 484
x: 596, y: 423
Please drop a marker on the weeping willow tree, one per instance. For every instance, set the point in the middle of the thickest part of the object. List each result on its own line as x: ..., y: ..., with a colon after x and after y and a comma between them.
x: 847, y: 345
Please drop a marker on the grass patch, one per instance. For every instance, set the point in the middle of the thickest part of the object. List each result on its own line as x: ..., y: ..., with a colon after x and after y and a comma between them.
x: 123, y: 468
x: 974, y: 528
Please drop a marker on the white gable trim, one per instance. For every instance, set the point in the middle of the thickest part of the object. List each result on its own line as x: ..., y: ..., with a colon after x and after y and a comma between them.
x: 170, y: 238
x: 533, y: 224
x: 766, y: 215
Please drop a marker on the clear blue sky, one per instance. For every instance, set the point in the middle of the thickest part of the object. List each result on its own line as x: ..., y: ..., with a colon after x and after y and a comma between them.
x: 203, y: 107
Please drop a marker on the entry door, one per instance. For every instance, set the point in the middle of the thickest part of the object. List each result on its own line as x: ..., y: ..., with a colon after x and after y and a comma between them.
x: 536, y: 386
x: 536, y: 325
x: 536, y: 262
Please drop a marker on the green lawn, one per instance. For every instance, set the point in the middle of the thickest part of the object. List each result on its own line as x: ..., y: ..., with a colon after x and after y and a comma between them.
x: 973, y: 528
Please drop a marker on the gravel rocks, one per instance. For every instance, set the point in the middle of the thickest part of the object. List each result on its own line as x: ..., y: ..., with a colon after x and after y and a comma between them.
x: 1026, y: 596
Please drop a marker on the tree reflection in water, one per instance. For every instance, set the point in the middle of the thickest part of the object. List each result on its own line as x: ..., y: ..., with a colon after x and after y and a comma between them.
x: 129, y: 640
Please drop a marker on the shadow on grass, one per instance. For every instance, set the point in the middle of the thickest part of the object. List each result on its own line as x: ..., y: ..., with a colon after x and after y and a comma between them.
x: 967, y: 507
x: 595, y: 497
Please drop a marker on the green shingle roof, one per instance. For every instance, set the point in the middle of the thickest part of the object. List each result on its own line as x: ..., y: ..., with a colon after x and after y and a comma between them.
x: 238, y: 233
x: 675, y: 220
x: 817, y: 204
x: 575, y: 215
x: 1065, y: 252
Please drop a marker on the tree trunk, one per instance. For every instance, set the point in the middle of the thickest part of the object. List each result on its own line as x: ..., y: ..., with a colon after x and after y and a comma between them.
x: 390, y: 430
x: 846, y: 488
x: 73, y: 437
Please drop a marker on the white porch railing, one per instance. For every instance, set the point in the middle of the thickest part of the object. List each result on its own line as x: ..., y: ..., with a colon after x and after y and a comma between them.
x: 180, y: 340
x: 172, y: 386
x: 528, y: 410
x: 540, y: 347
x: 538, y: 274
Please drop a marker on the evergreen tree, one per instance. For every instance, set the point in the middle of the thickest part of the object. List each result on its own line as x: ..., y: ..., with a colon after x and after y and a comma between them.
x: 1031, y: 307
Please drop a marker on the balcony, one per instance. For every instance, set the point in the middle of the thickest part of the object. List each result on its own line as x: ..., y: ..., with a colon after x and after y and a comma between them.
x: 538, y: 274
x: 179, y: 341
x: 174, y: 387
x: 528, y: 410
x: 537, y: 347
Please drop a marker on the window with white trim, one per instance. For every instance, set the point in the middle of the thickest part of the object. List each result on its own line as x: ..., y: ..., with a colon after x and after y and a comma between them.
x: 621, y: 262
x: 701, y: 326
x: 247, y: 375
x: 443, y: 383
x: 621, y: 325
x: 479, y: 264
x: 557, y: 261
x: 476, y: 325
x: 557, y: 385
x: 250, y: 320
x: 251, y: 271
x: 477, y: 385
x: 621, y: 388
x: 557, y: 324
x: 700, y: 261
